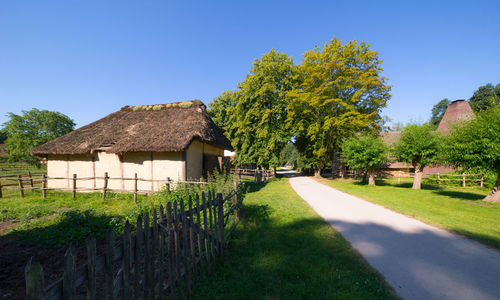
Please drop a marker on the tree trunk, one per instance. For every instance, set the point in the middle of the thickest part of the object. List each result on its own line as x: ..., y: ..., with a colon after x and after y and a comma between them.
x: 494, y: 195
x: 417, y: 181
x: 335, y: 165
x: 365, y: 174
x: 317, y: 172
x: 371, y: 178
x: 342, y: 171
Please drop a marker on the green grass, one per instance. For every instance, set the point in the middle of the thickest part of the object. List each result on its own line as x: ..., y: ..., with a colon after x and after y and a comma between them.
x: 60, y: 219
x: 20, y: 168
x: 459, y: 210
x: 283, y: 250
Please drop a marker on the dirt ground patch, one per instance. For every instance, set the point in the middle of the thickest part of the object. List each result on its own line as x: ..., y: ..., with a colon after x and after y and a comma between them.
x: 15, y: 254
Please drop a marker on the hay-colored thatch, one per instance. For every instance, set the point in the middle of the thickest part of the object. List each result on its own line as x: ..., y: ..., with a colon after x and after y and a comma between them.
x: 156, y: 128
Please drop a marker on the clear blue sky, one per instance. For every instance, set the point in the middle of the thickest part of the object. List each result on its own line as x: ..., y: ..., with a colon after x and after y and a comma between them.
x: 87, y: 59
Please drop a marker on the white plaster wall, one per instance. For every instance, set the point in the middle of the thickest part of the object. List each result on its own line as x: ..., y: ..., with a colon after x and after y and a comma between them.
x: 167, y: 164
x: 57, y: 166
x: 108, y: 162
x: 81, y: 165
x: 194, y: 161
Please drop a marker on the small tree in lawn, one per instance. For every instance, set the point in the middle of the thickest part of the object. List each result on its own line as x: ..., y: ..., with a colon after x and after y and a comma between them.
x: 476, y: 144
x: 367, y: 153
x: 417, y: 145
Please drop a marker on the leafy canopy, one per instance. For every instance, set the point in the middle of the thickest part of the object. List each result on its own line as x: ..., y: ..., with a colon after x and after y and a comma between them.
x: 365, y: 152
x: 438, y: 111
x: 485, y: 97
x: 31, y: 129
x: 341, y: 92
x: 475, y: 143
x: 418, y: 145
x: 254, y: 115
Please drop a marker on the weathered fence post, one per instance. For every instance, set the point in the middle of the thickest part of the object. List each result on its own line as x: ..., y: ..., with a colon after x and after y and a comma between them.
x: 463, y: 179
x: 35, y: 284
x: 137, y: 258
x: 439, y: 179
x: 31, y: 179
x: 135, y: 187
x: 44, y: 186
x: 74, y: 186
x: 482, y: 184
x: 126, y: 261
x: 220, y: 218
x: 108, y: 265
x: 105, y: 186
x: 20, y: 181
x: 69, y: 288
x: 91, y: 266
x: 0, y: 188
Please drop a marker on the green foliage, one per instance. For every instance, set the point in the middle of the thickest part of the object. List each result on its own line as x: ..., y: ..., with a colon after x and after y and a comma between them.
x: 341, y: 92
x: 31, y: 129
x: 418, y: 145
x: 256, y: 112
x: 289, y: 155
x: 485, y: 97
x: 475, y: 144
x: 3, y: 136
x: 438, y: 111
x: 221, y: 109
x: 365, y: 152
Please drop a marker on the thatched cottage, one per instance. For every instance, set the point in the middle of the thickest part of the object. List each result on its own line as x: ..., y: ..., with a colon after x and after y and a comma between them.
x: 178, y: 141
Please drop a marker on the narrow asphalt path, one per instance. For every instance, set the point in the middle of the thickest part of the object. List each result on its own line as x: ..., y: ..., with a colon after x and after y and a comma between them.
x: 418, y: 260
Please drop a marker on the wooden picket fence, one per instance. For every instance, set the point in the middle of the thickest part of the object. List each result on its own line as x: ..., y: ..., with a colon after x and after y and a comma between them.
x: 256, y: 174
x: 38, y: 181
x: 463, y: 178
x: 164, y: 260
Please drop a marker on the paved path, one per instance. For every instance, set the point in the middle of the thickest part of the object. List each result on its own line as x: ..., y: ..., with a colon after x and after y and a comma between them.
x: 418, y: 260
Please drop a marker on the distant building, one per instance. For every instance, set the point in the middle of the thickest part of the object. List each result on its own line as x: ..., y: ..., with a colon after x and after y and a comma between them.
x: 457, y: 111
x: 176, y: 140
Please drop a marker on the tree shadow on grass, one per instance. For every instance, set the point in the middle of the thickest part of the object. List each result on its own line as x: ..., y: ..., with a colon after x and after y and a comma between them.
x: 459, y: 195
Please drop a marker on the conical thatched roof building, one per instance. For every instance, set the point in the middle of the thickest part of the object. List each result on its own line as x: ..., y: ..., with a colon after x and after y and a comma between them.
x: 175, y: 140
x: 457, y: 111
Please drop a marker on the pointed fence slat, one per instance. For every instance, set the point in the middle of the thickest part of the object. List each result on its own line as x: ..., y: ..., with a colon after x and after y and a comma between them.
x: 198, y: 237
x: 171, y: 263
x: 147, y: 257
x: 69, y: 288
x: 108, y: 264
x: 177, y: 261
x: 190, y: 226
x: 35, y: 284
x: 126, y: 261
x: 185, y: 248
x: 137, y: 258
x: 205, y: 227
x: 91, y: 266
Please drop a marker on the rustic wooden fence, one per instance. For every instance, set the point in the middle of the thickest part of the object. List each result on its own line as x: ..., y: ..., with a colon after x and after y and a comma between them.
x: 163, y: 259
x: 38, y: 181
x: 463, y: 178
x: 256, y: 174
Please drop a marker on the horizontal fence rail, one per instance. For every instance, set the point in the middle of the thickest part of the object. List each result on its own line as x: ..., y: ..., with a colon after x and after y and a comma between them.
x: 39, y: 181
x: 258, y: 175
x: 165, y: 258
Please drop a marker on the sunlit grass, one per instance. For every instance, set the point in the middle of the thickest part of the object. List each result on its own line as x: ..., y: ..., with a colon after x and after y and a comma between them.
x: 284, y: 250
x: 460, y: 210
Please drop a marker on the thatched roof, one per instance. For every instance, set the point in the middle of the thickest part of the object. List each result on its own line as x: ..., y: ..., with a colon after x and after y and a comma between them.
x: 157, y: 128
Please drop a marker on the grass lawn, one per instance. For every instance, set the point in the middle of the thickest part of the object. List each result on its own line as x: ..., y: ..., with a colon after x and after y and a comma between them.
x: 283, y: 250
x: 456, y: 209
x: 60, y: 219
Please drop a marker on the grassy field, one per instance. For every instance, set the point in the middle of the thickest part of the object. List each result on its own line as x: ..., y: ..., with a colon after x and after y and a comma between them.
x: 284, y: 250
x: 19, y: 168
x: 60, y: 219
x: 456, y: 209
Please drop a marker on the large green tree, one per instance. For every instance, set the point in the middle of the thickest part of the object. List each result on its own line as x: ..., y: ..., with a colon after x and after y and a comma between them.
x: 366, y: 152
x: 258, y: 110
x: 417, y: 145
x: 485, y: 97
x: 476, y: 144
x: 31, y: 129
x: 220, y: 110
x: 341, y: 92
x: 438, y: 111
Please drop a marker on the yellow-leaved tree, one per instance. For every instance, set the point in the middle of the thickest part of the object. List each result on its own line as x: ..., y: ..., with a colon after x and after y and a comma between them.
x: 341, y: 92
